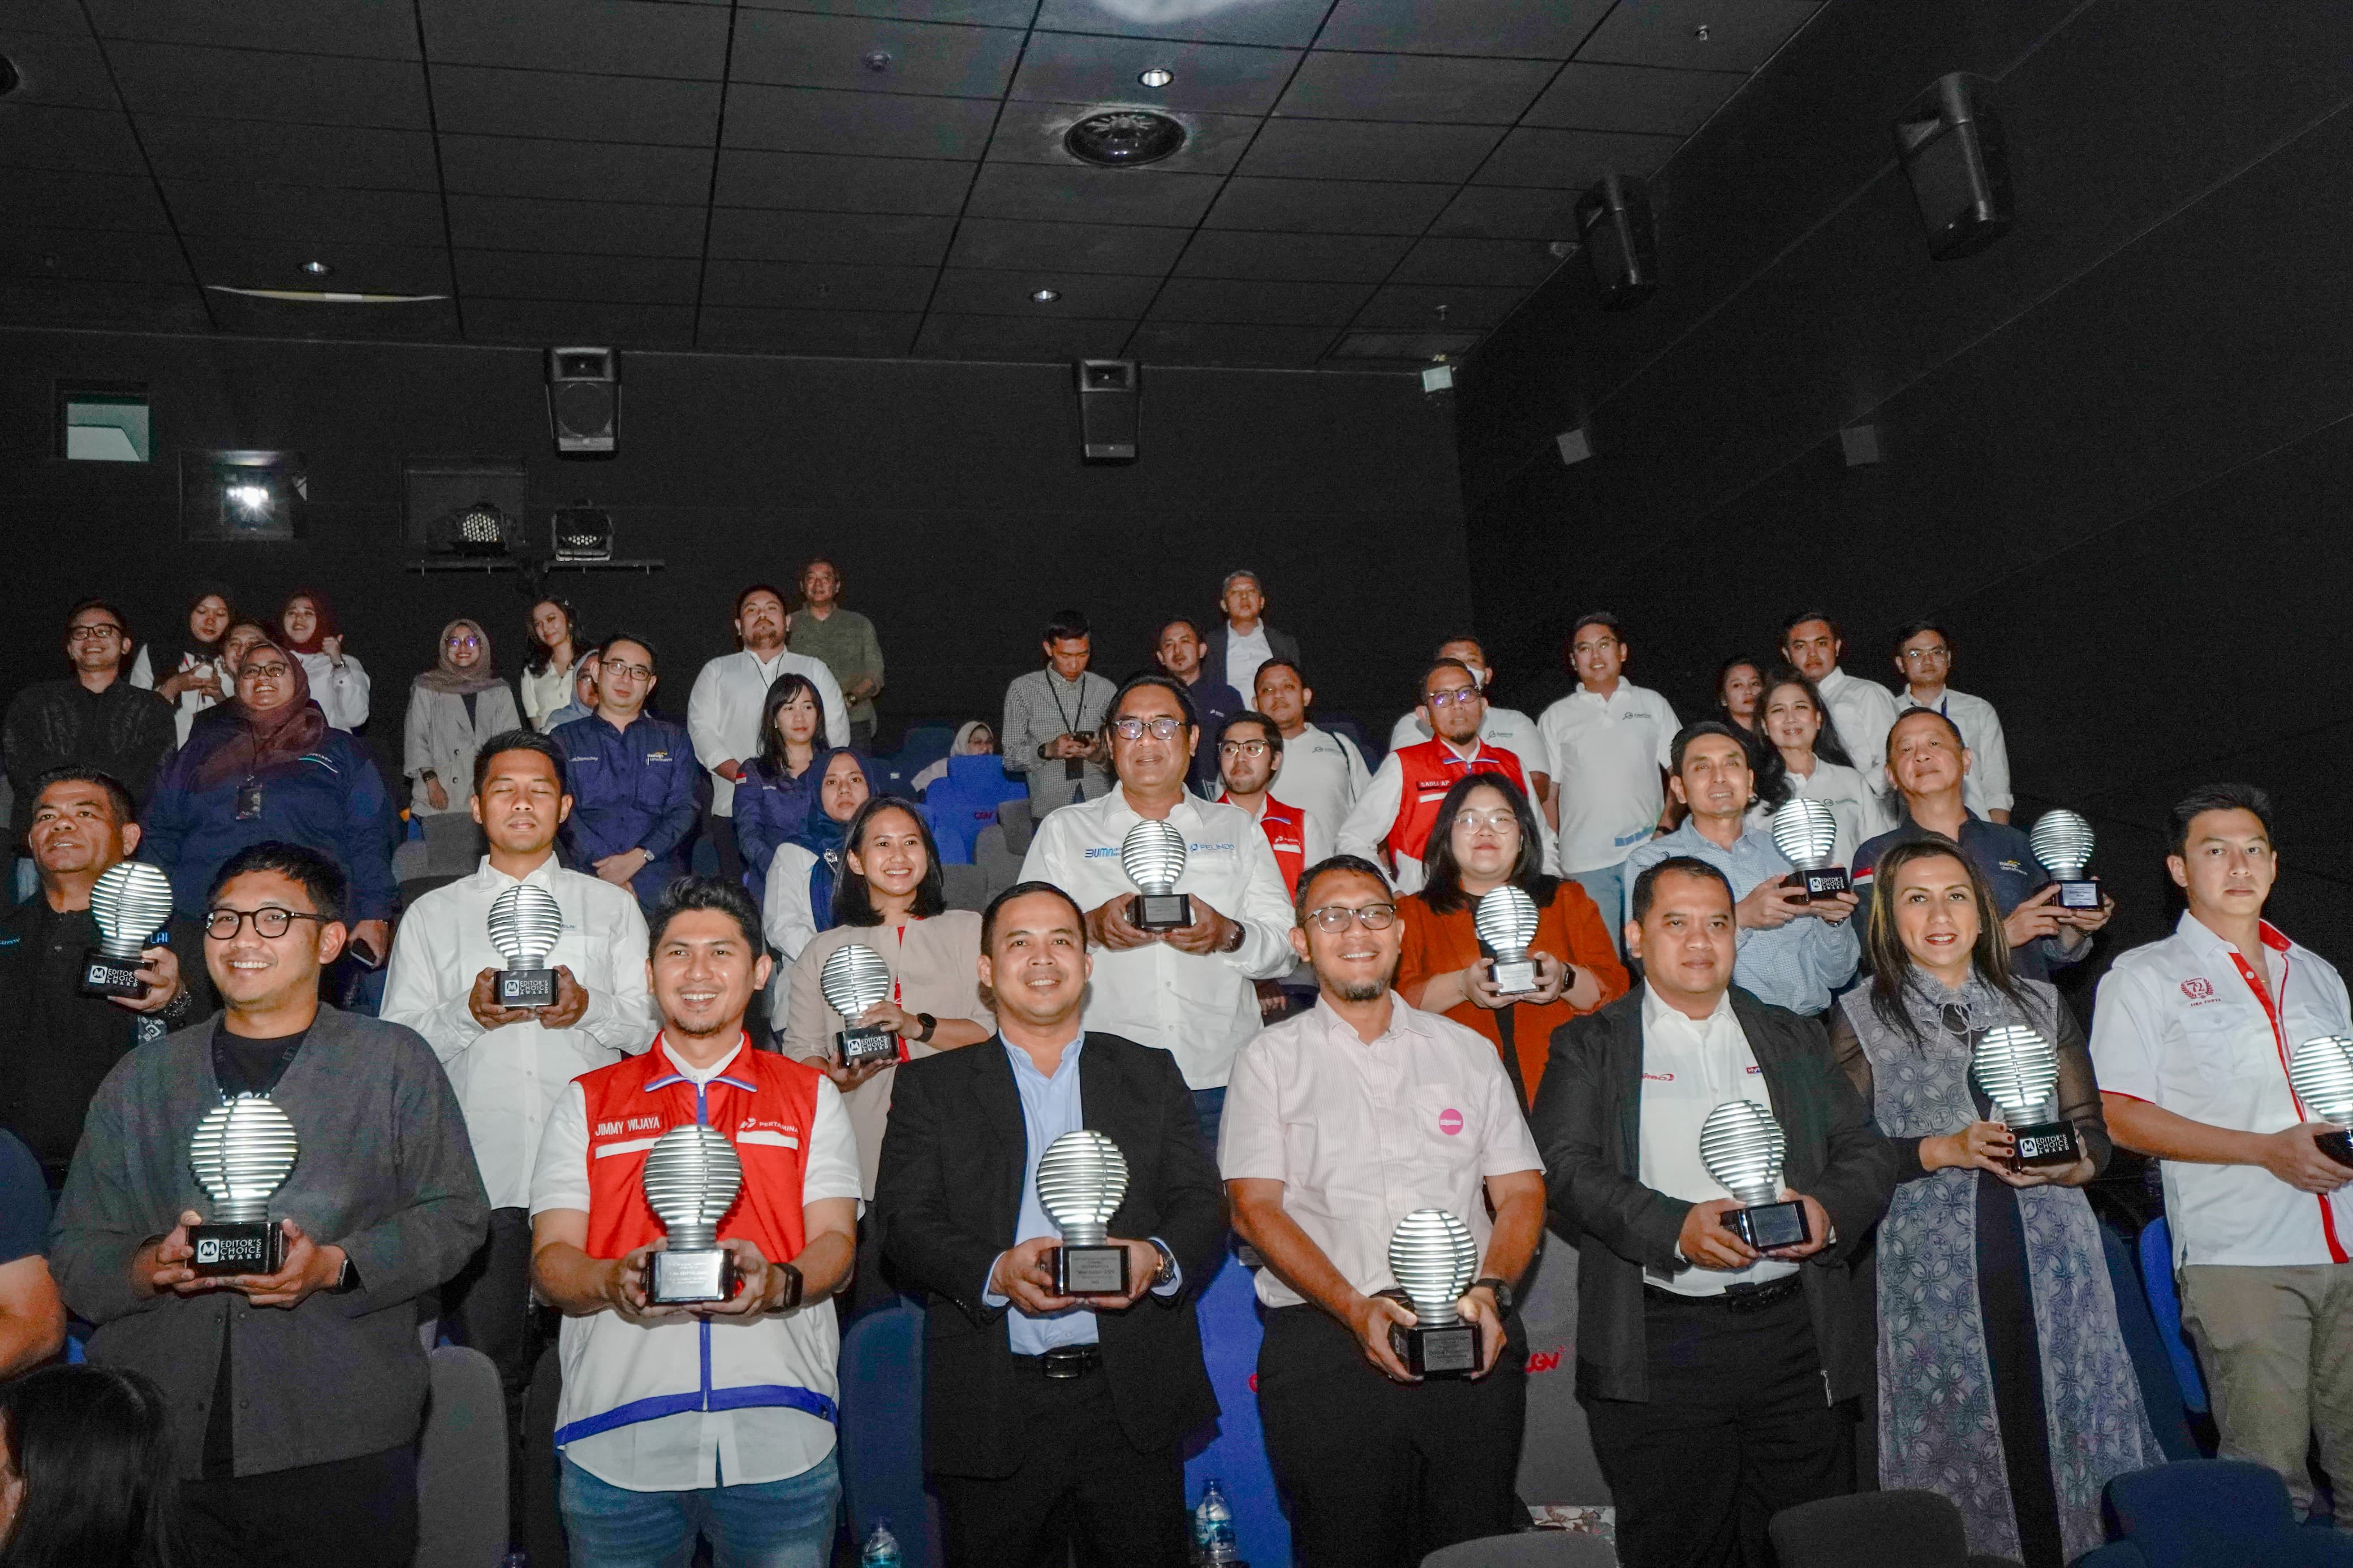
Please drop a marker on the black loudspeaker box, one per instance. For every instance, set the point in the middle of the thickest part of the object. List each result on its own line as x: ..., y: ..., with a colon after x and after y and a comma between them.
x: 1111, y: 405
x: 583, y: 401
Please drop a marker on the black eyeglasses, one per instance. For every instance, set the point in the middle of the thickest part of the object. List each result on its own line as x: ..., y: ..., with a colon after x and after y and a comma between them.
x: 222, y: 925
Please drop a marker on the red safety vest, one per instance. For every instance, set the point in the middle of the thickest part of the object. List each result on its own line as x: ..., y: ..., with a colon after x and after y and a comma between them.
x: 1285, y: 827
x: 1430, y: 770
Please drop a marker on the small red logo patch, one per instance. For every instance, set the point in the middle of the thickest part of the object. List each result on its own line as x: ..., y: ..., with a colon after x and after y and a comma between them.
x: 1450, y: 1122
x: 2198, y: 988
x: 1254, y: 1383
x: 1543, y: 1361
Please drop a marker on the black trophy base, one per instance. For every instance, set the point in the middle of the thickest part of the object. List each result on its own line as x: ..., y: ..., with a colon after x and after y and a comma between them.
x: 2048, y: 1143
x: 1090, y: 1271
x: 525, y: 988
x: 1160, y: 912
x: 1765, y: 1227
x: 259, y: 1247
x: 856, y: 1047
x: 691, y: 1279
x: 2083, y: 895
x: 1820, y: 881
x: 1450, y: 1350
x: 2336, y: 1146
x: 104, y: 974
x: 1516, y: 978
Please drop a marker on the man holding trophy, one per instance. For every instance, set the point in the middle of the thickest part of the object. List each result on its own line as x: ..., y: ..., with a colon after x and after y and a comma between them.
x: 257, y: 1203
x: 1721, y: 1343
x: 1365, y: 1142
x: 692, y: 1208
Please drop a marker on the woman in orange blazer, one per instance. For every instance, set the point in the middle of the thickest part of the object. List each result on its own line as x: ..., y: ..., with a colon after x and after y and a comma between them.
x: 1484, y: 837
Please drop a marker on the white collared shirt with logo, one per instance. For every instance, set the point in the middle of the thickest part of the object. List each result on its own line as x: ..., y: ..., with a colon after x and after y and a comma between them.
x: 2179, y: 1025
x: 722, y: 712
x: 1605, y: 756
x: 1198, y: 1007
x: 1322, y: 774
x: 1861, y: 712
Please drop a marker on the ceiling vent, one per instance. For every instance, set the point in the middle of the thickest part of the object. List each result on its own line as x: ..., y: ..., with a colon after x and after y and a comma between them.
x: 1125, y: 138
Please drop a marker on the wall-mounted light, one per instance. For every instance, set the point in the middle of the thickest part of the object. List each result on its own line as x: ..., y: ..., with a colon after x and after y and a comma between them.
x: 1156, y: 77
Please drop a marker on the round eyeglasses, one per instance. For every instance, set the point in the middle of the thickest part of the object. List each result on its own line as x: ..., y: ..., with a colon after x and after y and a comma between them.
x: 1335, y: 918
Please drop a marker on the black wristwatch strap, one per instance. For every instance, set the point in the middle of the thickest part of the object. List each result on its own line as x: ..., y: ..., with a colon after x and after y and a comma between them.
x: 1500, y: 1289
x: 929, y: 1024
x: 794, y: 1285
x: 349, y: 1280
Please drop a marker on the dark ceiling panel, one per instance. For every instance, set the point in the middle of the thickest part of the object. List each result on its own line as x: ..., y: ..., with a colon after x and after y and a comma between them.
x: 1206, y: 342
x: 865, y: 334
x: 1451, y: 308
x: 1514, y: 263
x: 895, y: 125
x: 815, y: 285
x: 345, y: 157
x: 576, y: 321
x: 1502, y: 211
x: 614, y: 228
x: 1327, y: 207
x: 580, y: 171
x: 361, y: 268
x: 1217, y: 79
x: 252, y: 84
x: 1111, y: 196
x: 92, y: 140
x: 1588, y: 97
x: 57, y: 67
x: 370, y: 27
x: 1305, y: 258
x: 1337, y: 149
x: 1572, y: 159
x: 541, y: 274
x: 796, y: 50
x: 1067, y: 247
x: 90, y: 254
x: 979, y: 13
x: 1696, y: 34
x: 1013, y: 338
x: 1336, y: 86
x: 1544, y: 29
x: 755, y: 234
x: 1098, y: 295
x: 818, y: 183
x: 48, y: 16
x: 235, y: 208
x: 133, y: 307
x: 1259, y: 301
x: 626, y: 38
x: 1270, y: 22
x: 1033, y: 132
x: 86, y: 201
x: 575, y: 106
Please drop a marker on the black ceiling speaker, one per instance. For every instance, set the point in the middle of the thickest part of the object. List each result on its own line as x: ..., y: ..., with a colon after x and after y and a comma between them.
x: 583, y: 401
x: 1125, y: 138
x: 1111, y: 408
x: 1953, y: 154
x: 1614, y: 229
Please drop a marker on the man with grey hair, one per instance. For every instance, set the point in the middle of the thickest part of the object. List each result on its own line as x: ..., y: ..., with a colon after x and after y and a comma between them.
x: 1236, y: 649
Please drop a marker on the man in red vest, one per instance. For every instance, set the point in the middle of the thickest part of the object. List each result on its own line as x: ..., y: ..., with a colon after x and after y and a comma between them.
x: 1390, y: 822
x: 714, y: 1418
x: 1249, y: 755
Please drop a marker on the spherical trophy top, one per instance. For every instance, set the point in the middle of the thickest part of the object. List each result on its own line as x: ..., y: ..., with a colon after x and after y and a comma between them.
x: 2321, y: 1073
x: 242, y: 1151
x: 130, y: 901
x: 2016, y: 1067
x: 1505, y: 919
x: 854, y: 978
x: 1806, y: 831
x: 525, y: 921
x: 692, y: 1178
x: 1081, y: 1179
x: 2063, y: 841
x: 1742, y: 1147
x: 1152, y: 855
x: 1434, y: 1258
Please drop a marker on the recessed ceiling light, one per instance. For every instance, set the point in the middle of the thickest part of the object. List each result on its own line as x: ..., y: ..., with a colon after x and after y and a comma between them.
x: 879, y: 60
x: 1700, y: 32
x: 317, y: 269
x: 1156, y: 77
x: 1045, y: 296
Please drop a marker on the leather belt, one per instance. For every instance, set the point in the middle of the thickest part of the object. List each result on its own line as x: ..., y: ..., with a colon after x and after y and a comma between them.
x: 1741, y: 1298
x: 1064, y: 1362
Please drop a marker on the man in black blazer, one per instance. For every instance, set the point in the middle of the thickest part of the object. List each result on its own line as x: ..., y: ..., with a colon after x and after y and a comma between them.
x: 1720, y: 1382
x: 1034, y: 1401
x: 1234, y: 650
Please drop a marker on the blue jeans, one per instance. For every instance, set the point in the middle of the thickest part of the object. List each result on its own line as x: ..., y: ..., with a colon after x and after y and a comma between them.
x: 775, y: 1524
x: 1608, y: 887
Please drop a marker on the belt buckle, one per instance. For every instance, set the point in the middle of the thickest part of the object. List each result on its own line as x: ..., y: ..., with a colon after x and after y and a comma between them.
x: 1064, y: 1362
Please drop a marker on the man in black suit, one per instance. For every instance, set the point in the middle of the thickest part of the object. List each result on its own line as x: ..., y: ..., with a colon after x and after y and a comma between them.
x: 1720, y: 1382
x: 1232, y: 654
x: 1035, y: 1403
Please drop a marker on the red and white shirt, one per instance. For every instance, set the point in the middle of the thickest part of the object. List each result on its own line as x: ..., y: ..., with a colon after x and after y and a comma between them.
x: 1298, y: 839
x: 2180, y: 1024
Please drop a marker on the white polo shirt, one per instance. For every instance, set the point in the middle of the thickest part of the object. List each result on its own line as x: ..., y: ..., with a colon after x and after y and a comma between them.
x: 1689, y: 1068
x: 2178, y: 1023
x: 1605, y: 754
x: 722, y: 712
x: 1988, y: 787
x: 1506, y: 729
x: 1322, y: 774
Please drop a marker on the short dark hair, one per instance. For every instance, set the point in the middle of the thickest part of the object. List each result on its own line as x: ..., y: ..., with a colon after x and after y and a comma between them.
x: 1064, y: 625
x: 1022, y: 891
x: 687, y: 894
x: 1273, y: 735
x: 1438, y: 652
x: 1187, y: 622
x: 1910, y: 629
x: 853, y: 900
x: 520, y: 740
x: 118, y: 796
x: 653, y: 656
x: 1694, y: 730
x: 782, y: 602
x: 1168, y: 683
x: 1290, y: 664
x: 318, y: 876
x: 1797, y: 618
x: 2215, y: 798
x: 1421, y: 687
x: 1938, y: 714
x: 1646, y: 886
x: 121, y: 622
x: 1329, y: 866
x: 1597, y: 618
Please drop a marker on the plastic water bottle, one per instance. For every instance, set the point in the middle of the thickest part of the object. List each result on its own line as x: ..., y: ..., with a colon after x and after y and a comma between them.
x: 1213, y: 1527
x: 882, y: 1547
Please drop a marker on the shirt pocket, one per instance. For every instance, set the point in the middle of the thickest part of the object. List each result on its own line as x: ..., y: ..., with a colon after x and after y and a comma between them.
x: 1447, y: 1133
x: 655, y: 776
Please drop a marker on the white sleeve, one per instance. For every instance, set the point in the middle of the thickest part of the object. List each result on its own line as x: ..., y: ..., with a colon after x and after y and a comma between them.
x: 560, y: 1180
x: 837, y: 706
x: 789, y: 923
x: 1668, y: 726
x: 345, y: 699
x: 413, y: 991
x: 1993, y: 764
x: 702, y: 720
x: 1359, y: 775
x: 1314, y: 839
x: 142, y: 670
x: 1043, y: 862
x: 1374, y: 812
x: 832, y: 1169
x: 620, y: 1016
x: 2127, y: 1031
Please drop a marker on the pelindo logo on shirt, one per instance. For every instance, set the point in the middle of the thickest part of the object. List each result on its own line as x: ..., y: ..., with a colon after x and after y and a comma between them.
x: 1450, y: 1122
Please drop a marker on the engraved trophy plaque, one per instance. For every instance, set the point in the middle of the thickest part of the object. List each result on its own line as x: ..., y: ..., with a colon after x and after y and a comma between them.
x: 2018, y: 1070
x: 525, y: 921
x: 691, y: 1179
x: 1433, y: 1258
x: 130, y: 901
x: 1152, y: 855
x: 2061, y: 840
x: 1505, y: 919
x: 854, y: 978
x: 1806, y: 831
x: 241, y: 1152
x: 1742, y: 1147
x: 1081, y: 1179
x: 2321, y: 1073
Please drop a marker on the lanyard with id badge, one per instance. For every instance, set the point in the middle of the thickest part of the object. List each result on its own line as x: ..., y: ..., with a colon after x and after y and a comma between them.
x: 248, y: 799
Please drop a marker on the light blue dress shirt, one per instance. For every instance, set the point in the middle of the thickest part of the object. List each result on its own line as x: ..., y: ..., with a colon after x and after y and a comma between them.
x: 1796, y: 965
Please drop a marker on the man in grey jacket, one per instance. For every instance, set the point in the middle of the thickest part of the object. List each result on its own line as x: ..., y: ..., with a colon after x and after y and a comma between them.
x: 297, y: 1395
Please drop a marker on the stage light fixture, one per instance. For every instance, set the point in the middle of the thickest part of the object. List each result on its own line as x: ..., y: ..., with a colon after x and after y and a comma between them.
x: 1613, y: 222
x: 239, y: 496
x: 1156, y: 77
x: 1958, y: 162
x: 583, y: 533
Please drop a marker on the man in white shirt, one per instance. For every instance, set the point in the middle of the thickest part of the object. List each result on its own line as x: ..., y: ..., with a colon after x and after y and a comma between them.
x: 722, y: 712
x: 1506, y: 729
x: 1188, y: 991
x: 1923, y: 657
x: 2191, y: 1039
x: 1323, y: 773
x: 1861, y: 712
x: 1606, y: 746
x: 1234, y: 652
x: 719, y: 1417
x: 510, y: 1065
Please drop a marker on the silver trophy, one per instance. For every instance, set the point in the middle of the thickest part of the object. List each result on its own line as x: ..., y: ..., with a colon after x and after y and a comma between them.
x: 855, y: 978
x: 242, y: 1151
x: 2061, y: 840
x: 525, y: 921
x: 1152, y: 855
x: 1506, y: 922
x: 2018, y: 1070
x: 1806, y: 832
x: 1433, y: 1258
x: 691, y: 1179
x: 1082, y: 1180
x: 2321, y: 1073
x: 130, y: 901
x: 1742, y: 1147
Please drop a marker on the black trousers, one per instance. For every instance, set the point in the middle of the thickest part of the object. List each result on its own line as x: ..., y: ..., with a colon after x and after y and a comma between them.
x: 1738, y: 1425
x: 488, y: 1306
x: 1379, y: 1473
x: 357, y: 1513
x: 1080, y: 1481
x: 723, y: 838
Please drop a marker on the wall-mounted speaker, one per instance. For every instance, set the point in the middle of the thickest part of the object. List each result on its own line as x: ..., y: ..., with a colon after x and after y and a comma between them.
x: 1110, y: 409
x: 583, y: 401
x: 1614, y: 229
x: 1959, y: 165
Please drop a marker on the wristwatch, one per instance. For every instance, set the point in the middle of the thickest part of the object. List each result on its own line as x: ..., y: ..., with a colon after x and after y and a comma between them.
x: 348, y: 1281
x: 1501, y: 1289
x: 1234, y: 942
x: 929, y: 1024
x: 1167, y: 1269
x: 794, y: 1286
